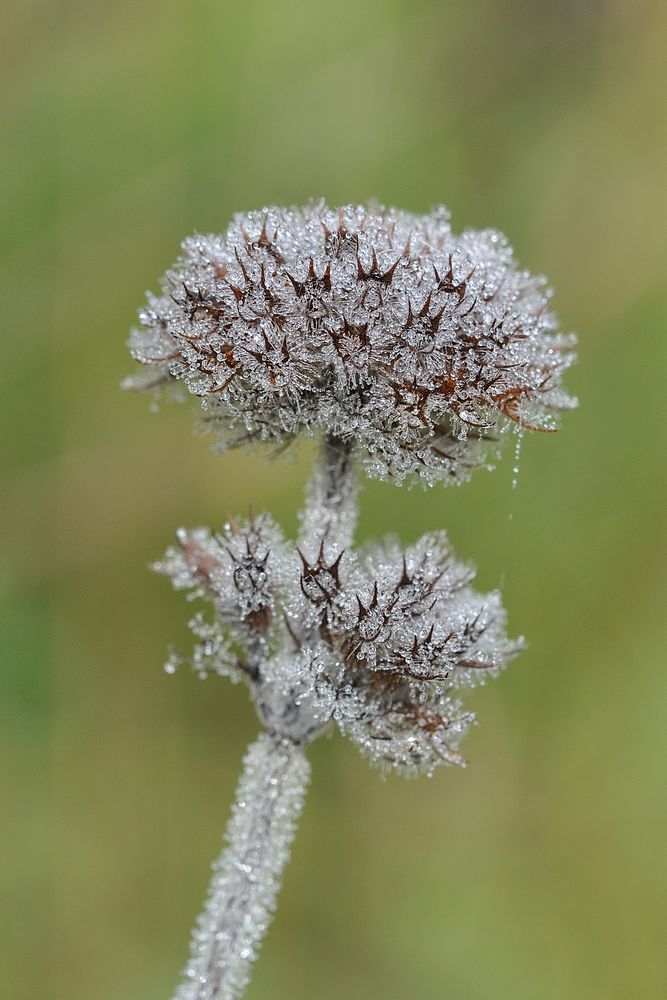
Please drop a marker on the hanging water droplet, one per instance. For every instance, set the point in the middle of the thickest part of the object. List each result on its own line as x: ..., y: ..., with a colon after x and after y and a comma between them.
x: 517, y: 457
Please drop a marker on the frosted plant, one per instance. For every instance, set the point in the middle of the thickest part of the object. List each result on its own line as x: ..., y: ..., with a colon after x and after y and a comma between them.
x: 408, y: 352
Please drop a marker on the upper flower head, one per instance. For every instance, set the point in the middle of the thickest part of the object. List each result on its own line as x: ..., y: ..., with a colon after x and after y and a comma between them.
x: 377, y: 326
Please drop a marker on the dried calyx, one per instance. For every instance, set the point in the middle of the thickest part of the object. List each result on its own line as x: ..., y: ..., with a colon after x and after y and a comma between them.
x: 415, y: 345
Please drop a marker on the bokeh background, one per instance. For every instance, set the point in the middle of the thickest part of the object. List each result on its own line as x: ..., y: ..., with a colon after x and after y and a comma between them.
x: 539, y: 872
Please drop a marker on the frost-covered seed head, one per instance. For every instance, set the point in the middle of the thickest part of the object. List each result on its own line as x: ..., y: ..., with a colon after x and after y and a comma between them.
x: 385, y: 329
x: 381, y: 643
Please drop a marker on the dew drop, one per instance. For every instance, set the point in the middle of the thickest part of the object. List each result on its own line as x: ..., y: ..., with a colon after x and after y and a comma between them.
x: 517, y: 457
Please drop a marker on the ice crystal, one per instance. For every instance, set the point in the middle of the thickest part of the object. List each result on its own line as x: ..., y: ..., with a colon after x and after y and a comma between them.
x: 378, y: 642
x: 414, y: 345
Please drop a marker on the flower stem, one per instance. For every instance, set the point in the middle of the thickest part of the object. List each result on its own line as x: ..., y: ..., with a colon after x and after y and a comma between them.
x: 246, y: 877
x: 330, y: 512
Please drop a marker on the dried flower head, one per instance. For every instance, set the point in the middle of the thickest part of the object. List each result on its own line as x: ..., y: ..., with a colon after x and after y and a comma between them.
x: 383, y: 328
x: 380, y: 643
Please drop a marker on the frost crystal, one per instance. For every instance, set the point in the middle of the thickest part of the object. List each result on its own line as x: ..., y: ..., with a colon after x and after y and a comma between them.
x: 412, y: 344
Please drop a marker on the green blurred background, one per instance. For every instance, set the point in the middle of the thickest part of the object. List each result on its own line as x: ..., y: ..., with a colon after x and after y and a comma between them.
x: 540, y: 871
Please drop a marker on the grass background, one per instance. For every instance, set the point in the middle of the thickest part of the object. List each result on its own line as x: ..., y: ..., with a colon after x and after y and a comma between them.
x: 540, y: 871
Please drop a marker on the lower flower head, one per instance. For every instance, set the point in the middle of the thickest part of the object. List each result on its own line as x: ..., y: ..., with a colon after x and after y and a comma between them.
x: 382, y: 644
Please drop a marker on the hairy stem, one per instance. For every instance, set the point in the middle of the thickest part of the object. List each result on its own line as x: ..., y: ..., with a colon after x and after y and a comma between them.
x: 330, y: 513
x: 246, y: 877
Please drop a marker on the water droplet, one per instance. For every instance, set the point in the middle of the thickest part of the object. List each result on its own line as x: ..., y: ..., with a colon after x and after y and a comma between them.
x: 517, y: 458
